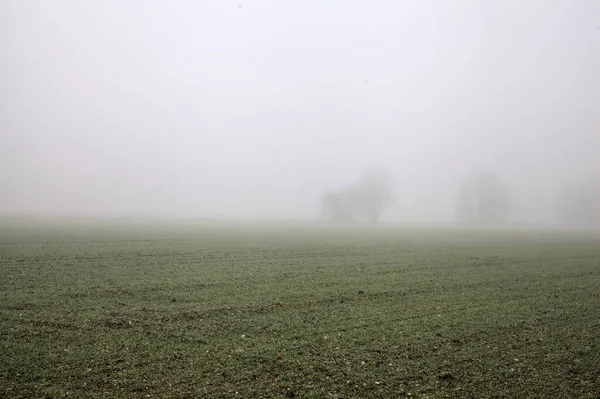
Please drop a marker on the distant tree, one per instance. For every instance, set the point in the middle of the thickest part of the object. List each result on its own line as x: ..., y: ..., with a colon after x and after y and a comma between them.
x: 334, y: 206
x: 483, y: 200
x: 366, y: 199
x: 374, y: 193
x: 579, y: 206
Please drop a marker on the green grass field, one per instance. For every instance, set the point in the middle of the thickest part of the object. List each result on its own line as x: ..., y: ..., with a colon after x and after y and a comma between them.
x: 206, y: 311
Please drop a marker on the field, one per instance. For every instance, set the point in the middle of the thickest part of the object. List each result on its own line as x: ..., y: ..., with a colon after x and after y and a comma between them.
x: 111, y: 310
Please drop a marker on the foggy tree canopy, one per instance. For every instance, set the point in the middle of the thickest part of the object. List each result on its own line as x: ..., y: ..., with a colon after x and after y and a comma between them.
x: 483, y: 200
x: 579, y: 206
x: 366, y: 199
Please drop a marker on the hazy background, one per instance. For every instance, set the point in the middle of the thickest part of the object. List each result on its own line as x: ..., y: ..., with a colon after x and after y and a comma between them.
x: 251, y: 109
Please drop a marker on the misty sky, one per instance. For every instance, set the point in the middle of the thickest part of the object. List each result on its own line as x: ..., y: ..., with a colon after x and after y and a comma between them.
x: 252, y: 108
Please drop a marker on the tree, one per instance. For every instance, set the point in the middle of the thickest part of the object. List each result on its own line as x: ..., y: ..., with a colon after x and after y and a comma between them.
x: 579, y: 206
x: 366, y: 199
x: 374, y: 193
x: 483, y: 200
x: 334, y: 207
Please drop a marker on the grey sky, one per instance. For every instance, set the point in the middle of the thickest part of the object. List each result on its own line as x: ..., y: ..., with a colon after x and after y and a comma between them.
x: 206, y: 108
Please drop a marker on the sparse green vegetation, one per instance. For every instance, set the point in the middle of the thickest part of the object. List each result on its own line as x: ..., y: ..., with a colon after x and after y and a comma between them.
x: 281, y: 311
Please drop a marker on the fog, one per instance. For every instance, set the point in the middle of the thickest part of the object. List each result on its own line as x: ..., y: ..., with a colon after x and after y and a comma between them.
x: 253, y: 109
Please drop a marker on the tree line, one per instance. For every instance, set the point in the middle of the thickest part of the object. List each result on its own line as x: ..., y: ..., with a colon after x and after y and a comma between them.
x: 483, y: 200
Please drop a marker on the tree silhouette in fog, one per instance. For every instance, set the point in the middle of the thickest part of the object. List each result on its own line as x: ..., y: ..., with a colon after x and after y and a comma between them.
x: 366, y: 199
x: 483, y: 200
x: 579, y: 205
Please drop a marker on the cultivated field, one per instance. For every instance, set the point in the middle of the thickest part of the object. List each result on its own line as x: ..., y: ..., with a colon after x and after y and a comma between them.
x: 191, y: 311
